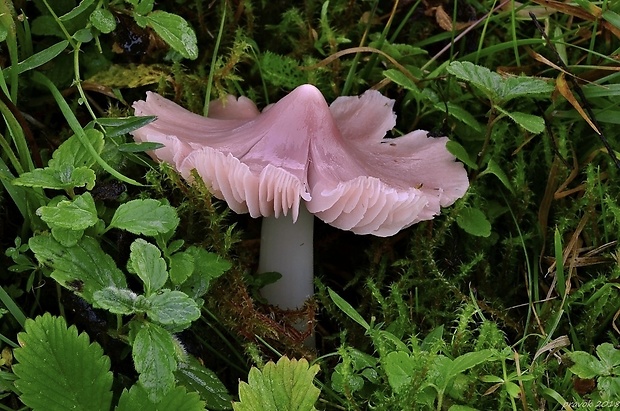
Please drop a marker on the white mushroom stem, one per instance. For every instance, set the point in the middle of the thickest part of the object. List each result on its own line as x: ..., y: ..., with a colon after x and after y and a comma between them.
x: 286, y: 248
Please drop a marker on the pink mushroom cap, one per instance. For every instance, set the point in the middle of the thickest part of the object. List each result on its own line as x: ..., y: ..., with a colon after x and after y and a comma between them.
x: 335, y: 158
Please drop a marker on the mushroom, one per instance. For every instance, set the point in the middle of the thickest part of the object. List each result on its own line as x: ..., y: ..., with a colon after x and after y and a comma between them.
x: 303, y: 157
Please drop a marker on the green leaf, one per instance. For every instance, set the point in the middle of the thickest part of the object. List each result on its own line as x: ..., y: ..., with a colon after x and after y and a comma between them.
x: 497, y: 89
x: 181, y: 267
x: 460, y: 114
x: 69, y: 166
x: 117, y: 300
x: 193, y: 375
x: 175, y: 31
x: 207, y: 267
x: 139, y: 147
x: 176, y: 399
x: 533, y: 124
x: 57, y: 179
x: 118, y: 126
x: 285, y: 386
x: 609, y: 355
x: 145, y: 261
x: 461, y: 154
x: 585, y: 365
x: 522, y: 86
x: 348, y: 309
x: 78, y: 214
x: 76, y: 11
x: 103, y: 20
x: 172, y: 308
x: 66, y: 236
x: 37, y: 59
x: 496, y: 170
x: 609, y: 387
x: 59, y: 370
x: 154, y: 360
x: 72, y: 152
x: 84, y: 268
x: 512, y: 389
x: 469, y: 360
x: 490, y: 83
x: 148, y: 217
x: 474, y: 222
x: 398, y: 77
x: 399, y: 368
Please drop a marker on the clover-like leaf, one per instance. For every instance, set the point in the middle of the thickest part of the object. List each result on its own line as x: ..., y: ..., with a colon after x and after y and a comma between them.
x: 149, y: 217
x: 285, y: 386
x: 52, y: 372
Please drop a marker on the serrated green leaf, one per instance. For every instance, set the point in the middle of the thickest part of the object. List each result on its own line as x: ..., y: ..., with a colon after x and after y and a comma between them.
x: 103, y: 20
x: 474, y: 222
x: 585, y: 365
x: 72, y: 152
x: 145, y: 260
x: 84, y: 268
x: 154, y: 360
x: 175, y: 31
x: 66, y: 236
x: 117, y: 300
x: 59, y: 370
x: 193, y: 375
x: 533, y: 124
x: 149, y: 217
x: 69, y: 166
x: 398, y: 77
x: 177, y: 399
x: 172, y: 308
x: 207, y: 267
x: 285, y: 386
x: 609, y: 355
x: 609, y: 387
x: 57, y: 179
x: 522, y: 86
x: 490, y: 83
x: 181, y: 267
x: 398, y: 367
x: 496, y: 88
x: 78, y: 214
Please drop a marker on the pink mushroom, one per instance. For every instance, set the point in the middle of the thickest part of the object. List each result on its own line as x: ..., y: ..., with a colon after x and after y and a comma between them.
x: 303, y: 157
